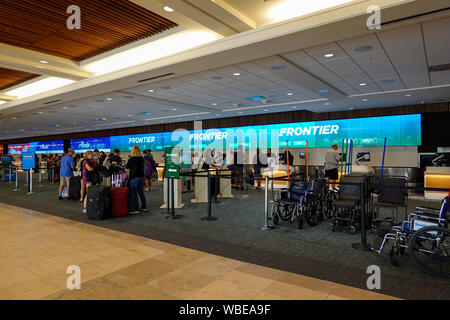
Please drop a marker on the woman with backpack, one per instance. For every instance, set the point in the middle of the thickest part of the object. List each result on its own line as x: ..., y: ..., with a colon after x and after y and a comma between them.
x: 87, y: 168
x: 149, y: 168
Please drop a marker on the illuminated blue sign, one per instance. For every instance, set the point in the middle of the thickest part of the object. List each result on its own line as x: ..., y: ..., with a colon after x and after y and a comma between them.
x: 83, y: 145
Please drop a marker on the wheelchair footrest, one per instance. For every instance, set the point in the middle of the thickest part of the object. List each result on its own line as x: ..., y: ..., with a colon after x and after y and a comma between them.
x: 377, y: 243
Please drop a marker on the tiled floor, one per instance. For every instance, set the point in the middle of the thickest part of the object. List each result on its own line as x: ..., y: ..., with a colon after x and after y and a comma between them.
x: 36, y: 249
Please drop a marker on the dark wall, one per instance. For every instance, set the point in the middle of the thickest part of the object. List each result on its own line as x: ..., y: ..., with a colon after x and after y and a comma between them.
x: 436, y: 130
x: 281, y: 117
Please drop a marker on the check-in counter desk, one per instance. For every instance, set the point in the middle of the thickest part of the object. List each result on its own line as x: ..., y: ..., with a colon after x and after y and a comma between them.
x: 358, y: 169
x: 437, y: 177
x: 276, y: 172
x: 201, y: 185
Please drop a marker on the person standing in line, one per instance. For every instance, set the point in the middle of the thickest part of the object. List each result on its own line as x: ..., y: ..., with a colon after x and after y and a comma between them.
x: 88, y: 167
x: 332, y: 159
x: 50, y: 168
x: 115, y: 157
x: 148, y: 169
x: 136, y: 165
x: 66, y: 172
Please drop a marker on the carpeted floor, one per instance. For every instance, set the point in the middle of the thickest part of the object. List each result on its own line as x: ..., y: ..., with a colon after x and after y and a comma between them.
x: 313, y: 251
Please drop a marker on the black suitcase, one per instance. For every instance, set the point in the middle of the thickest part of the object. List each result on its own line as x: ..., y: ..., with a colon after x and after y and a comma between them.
x: 75, y: 188
x: 98, y: 202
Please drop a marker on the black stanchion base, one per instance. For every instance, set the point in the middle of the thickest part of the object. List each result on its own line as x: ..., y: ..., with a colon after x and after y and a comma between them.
x: 209, y: 218
x: 359, y: 246
x: 267, y: 227
x: 173, y: 216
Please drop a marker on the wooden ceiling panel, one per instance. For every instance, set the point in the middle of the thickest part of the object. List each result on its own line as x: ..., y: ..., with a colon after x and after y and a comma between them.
x: 9, y: 78
x: 40, y: 25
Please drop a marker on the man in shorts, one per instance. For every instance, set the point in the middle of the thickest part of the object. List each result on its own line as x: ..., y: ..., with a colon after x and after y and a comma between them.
x: 66, y: 171
x: 332, y: 159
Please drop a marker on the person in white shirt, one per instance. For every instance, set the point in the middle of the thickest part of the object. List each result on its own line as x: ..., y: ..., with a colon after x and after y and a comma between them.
x: 332, y: 159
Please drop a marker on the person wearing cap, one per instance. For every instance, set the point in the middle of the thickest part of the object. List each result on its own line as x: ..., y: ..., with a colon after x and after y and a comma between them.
x: 66, y: 171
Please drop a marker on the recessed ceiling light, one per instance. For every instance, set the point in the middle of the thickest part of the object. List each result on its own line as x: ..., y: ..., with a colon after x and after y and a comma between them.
x: 43, y: 61
x: 109, y: 99
x: 240, y: 112
x: 14, y: 118
x: 363, y: 48
x: 365, y: 100
x: 290, y: 94
x: 40, y: 112
x: 266, y: 109
x: 329, y: 55
x: 214, y: 104
x: 294, y: 107
x: 327, y: 104
x: 407, y: 95
x: 352, y: 108
x: 362, y: 84
x: 65, y: 108
x: 236, y: 74
x: 129, y: 115
x: 278, y: 67
x: 174, y: 109
x: 151, y: 90
x: 168, y: 9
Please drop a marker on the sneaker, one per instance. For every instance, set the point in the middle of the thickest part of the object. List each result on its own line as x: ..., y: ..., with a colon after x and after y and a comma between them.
x: 134, y: 212
x: 60, y: 198
x: 144, y: 209
x: 84, y: 211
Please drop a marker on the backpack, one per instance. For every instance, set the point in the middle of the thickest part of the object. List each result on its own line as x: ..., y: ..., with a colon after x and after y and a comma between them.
x: 148, y: 167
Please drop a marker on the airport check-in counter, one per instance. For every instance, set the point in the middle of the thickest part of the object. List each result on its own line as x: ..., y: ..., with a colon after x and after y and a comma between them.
x: 437, y: 177
x: 278, y: 171
x: 201, y: 185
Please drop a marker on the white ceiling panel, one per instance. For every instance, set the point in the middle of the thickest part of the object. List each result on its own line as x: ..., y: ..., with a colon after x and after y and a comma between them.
x: 343, y: 66
x: 370, y: 56
x: 406, y: 51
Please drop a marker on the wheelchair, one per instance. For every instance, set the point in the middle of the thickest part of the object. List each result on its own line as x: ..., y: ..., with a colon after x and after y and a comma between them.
x: 299, y: 202
x: 347, y: 207
x: 425, y: 237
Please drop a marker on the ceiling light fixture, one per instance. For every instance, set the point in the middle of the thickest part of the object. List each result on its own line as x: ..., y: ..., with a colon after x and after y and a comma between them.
x: 151, y: 90
x: 329, y: 55
x: 365, y: 100
x: 109, y: 99
x: 168, y: 9
x: 40, y: 86
x: 290, y: 94
x: 236, y: 74
x: 289, y: 9
x: 43, y: 61
x: 362, y: 84
x: 407, y: 95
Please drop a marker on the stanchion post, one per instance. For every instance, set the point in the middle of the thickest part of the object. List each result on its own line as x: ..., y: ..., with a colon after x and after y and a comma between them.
x: 30, y: 181
x: 10, y: 174
x: 266, y: 225
x: 216, y: 186
x: 209, y: 217
x: 17, y: 180
x: 363, y: 244
x: 171, y: 199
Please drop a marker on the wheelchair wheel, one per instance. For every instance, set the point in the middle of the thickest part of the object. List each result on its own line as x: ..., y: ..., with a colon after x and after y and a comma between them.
x: 276, y: 220
x: 285, y: 211
x: 429, y: 249
x: 328, y: 207
x: 312, y: 215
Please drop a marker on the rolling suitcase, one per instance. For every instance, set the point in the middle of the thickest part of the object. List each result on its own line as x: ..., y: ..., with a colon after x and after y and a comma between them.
x: 75, y: 188
x: 119, y: 201
x: 98, y: 202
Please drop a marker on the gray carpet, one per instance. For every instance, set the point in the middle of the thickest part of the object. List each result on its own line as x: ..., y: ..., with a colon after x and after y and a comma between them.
x: 313, y: 251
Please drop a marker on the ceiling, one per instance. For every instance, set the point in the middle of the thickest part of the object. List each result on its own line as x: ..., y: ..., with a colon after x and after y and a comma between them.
x: 106, y: 24
x: 10, y: 78
x: 366, y: 69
